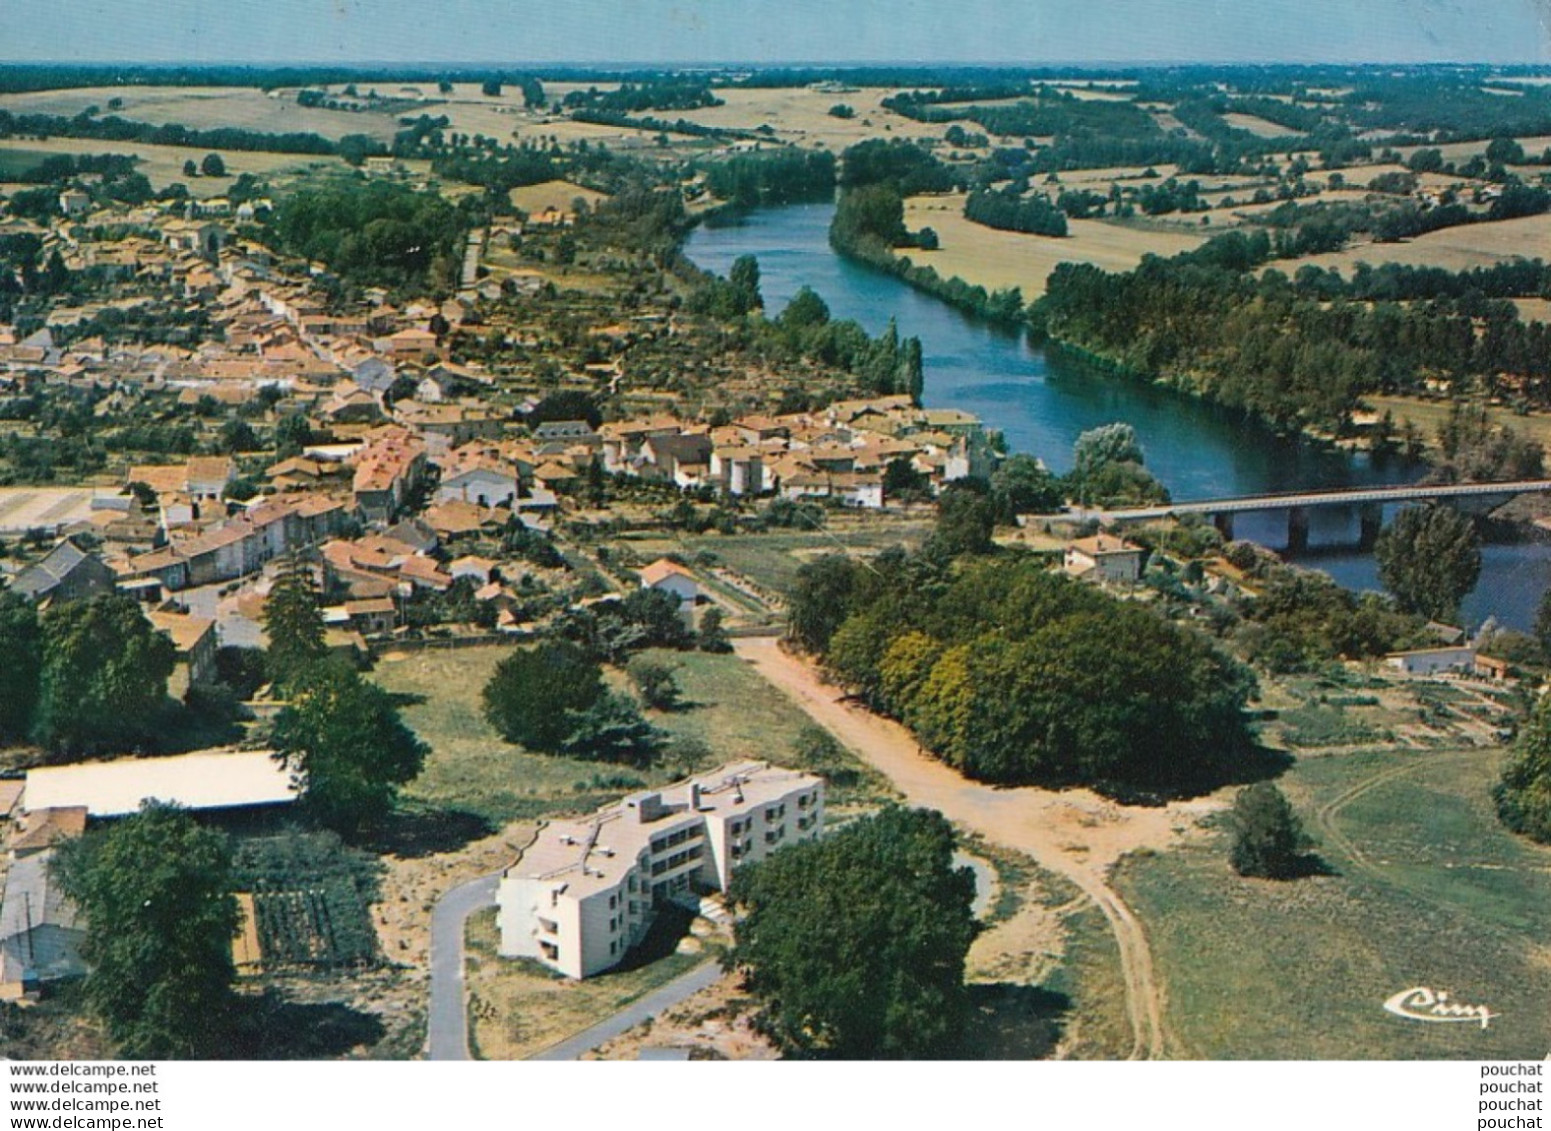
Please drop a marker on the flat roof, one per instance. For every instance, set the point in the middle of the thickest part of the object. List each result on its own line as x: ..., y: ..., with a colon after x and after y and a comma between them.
x: 206, y: 780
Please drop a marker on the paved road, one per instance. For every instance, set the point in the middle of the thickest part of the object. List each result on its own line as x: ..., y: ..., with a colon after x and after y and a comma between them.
x: 447, y: 1030
x: 666, y: 997
x: 985, y: 882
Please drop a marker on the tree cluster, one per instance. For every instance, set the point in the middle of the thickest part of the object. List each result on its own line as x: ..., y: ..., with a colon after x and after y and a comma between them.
x: 84, y: 677
x: 1032, y: 214
x: 1011, y: 673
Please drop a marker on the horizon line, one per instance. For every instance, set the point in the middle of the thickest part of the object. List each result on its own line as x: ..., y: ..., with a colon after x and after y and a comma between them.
x: 794, y: 64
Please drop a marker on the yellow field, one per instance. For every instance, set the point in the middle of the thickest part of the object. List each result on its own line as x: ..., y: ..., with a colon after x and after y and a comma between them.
x: 996, y: 259
x: 553, y: 194
x: 163, y: 164
x: 1455, y: 249
x: 207, y: 107
x: 801, y: 116
x: 1465, y: 150
x: 1534, y: 309
x: 1260, y: 127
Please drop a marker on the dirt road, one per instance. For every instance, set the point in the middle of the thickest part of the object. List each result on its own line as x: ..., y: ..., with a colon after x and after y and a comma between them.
x: 1074, y: 833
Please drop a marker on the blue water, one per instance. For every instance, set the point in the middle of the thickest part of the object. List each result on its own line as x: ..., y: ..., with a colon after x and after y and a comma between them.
x: 1041, y: 404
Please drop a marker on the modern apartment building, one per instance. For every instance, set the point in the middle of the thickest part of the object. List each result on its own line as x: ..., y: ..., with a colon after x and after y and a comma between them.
x: 585, y: 891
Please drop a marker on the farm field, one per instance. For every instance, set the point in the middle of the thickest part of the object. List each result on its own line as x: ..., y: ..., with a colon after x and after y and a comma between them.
x: 163, y: 164
x: 995, y: 259
x: 1258, y: 126
x: 206, y: 107
x: 1425, y: 890
x: 553, y: 194
x: 1454, y: 249
x: 802, y: 116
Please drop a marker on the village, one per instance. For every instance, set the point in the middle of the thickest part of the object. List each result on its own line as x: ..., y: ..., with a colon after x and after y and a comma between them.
x: 555, y: 437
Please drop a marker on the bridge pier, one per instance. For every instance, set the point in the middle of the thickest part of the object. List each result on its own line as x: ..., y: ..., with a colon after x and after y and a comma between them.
x: 1370, y: 518
x: 1297, y: 529
x: 1223, y: 520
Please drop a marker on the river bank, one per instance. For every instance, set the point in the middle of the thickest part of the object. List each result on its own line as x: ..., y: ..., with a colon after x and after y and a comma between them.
x: 1042, y: 401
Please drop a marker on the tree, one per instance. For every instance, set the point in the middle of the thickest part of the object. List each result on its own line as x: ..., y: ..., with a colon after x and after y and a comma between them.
x: 744, y: 277
x: 294, y: 624
x: 21, y: 645
x: 653, y: 679
x: 292, y: 434
x: 805, y: 312
x: 237, y: 436
x: 342, y: 739
x: 532, y: 690
x: 712, y: 636
x: 1268, y: 838
x: 1523, y: 795
x: 900, y: 478
x: 820, y: 600
x: 213, y: 165
x: 1021, y: 485
x: 1543, y: 622
x: 965, y: 522
x: 490, y: 88
x: 658, y: 614
x: 1107, y: 444
x: 855, y: 944
x: 1429, y: 558
x: 610, y: 729
x: 155, y: 891
x: 190, y: 169
x: 103, y: 681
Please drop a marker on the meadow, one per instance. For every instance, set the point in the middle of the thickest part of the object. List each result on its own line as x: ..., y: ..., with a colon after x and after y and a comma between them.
x: 727, y: 707
x: 1423, y: 888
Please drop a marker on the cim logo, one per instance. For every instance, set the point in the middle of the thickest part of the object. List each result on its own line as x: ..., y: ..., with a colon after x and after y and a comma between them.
x: 1422, y: 1003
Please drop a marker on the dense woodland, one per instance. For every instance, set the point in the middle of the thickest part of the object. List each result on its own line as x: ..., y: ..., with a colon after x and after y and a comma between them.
x: 1010, y: 673
x: 1300, y: 351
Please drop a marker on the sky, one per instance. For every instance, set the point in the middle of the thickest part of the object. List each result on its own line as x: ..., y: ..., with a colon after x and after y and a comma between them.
x: 766, y: 31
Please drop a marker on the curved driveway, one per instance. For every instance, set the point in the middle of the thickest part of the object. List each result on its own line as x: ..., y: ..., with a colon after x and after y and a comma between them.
x: 447, y: 1028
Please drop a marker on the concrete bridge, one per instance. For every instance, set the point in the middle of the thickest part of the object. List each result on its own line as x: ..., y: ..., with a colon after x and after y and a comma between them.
x: 1368, y: 501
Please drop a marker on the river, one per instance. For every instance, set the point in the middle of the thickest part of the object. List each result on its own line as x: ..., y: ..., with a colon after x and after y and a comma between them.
x: 1041, y: 404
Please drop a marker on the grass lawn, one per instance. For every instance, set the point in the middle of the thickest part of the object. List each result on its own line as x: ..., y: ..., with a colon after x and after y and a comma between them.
x: 518, y: 1008
x: 1427, y: 890
x: 773, y: 559
x: 471, y: 768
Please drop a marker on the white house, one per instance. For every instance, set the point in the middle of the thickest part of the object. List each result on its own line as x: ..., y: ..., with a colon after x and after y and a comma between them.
x: 487, y: 484
x: 1433, y: 661
x: 584, y: 892
x: 670, y: 577
x: 1103, y: 558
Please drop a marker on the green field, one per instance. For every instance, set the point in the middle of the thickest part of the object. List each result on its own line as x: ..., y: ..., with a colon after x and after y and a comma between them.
x: 1426, y: 890
x: 773, y: 559
x: 15, y: 162
x: 727, y: 706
